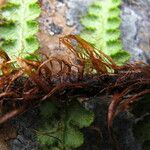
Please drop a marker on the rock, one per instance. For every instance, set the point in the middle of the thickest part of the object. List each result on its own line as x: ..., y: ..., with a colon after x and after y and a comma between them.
x: 129, y: 32
x: 136, y: 29
x: 76, y: 8
x: 56, y: 29
x: 25, y: 125
x: 122, y: 128
x: 60, y: 1
x: 7, y: 132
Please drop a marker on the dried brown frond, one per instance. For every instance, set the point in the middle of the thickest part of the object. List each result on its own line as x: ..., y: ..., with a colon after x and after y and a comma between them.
x: 132, y: 83
x: 84, y: 69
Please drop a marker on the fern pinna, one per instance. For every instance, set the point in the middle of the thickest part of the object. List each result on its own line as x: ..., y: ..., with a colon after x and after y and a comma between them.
x: 63, y: 133
x: 19, y: 27
x: 101, y: 29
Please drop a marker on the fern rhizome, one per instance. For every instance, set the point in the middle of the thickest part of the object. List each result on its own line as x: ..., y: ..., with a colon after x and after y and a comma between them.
x: 102, y: 29
x: 88, y: 73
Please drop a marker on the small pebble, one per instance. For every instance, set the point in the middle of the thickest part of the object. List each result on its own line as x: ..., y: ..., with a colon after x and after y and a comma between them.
x: 56, y: 29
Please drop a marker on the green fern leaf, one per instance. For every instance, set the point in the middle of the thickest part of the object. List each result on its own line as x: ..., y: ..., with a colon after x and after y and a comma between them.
x: 101, y: 29
x: 64, y: 132
x: 19, y: 28
x: 73, y: 137
x: 80, y: 116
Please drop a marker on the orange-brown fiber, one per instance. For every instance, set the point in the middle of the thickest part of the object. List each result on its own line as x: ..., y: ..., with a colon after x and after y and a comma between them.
x: 92, y: 72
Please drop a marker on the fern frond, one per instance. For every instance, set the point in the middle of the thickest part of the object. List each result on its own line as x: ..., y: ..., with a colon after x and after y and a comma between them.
x: 64, y: 133
x: 19, y: 28
x: 102, y: 29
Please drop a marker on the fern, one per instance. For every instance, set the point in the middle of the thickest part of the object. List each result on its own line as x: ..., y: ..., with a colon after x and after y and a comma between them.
x: 19, y: 27
x: 63, y: 132
x: 101, y: 29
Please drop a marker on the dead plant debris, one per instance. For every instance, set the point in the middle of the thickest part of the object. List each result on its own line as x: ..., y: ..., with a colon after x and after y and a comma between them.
x: 90, y: 73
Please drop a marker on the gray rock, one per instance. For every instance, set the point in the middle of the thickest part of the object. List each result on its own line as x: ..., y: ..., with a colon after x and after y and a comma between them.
x: 76, y: 8
x: 55, y: 28
x: 136, y: 29
x: 129, y: 32
x: 122, y: 128
x: 25, y: 125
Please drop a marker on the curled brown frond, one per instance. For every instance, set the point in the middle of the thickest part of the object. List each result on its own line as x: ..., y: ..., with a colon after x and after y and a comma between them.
x: 84, y: 69
x: 89, y: 55
x: 132, y: 83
